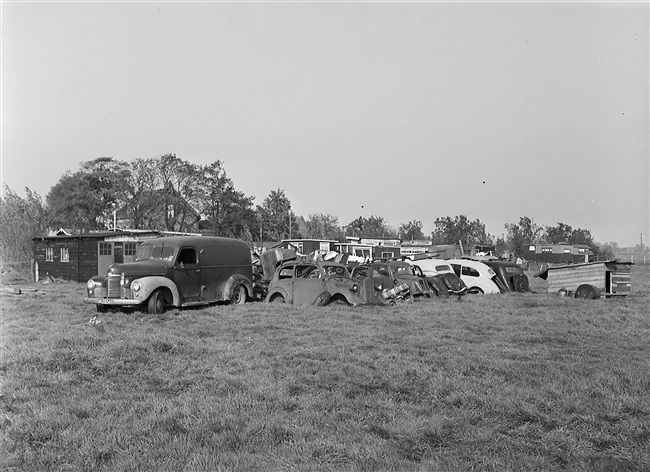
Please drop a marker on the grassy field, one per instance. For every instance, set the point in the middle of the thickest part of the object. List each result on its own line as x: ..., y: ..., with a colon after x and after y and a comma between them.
x: 502, y: 382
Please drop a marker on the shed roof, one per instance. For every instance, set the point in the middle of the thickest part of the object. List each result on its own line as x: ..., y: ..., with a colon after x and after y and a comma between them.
x: 543, y: 274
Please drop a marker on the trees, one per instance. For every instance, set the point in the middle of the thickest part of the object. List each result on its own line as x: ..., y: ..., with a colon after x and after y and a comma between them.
x: 277, y: 219
x: 21, y: 219
x: 522, y: 234
x: 373, y: 227
x: 411, y: 230
x: 321, y: 226
x: 460, y: 228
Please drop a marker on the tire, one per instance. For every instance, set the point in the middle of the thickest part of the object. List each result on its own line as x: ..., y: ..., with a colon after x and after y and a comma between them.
x: 101, y: 308
x: 238, y: 296
x: 452, y: 282
x: 156, y: 305
x: 278, y: 299
x: 587, y: 292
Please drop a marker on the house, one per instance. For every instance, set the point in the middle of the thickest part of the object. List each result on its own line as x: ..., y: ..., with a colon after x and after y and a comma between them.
x: 78, y: 257
x: 562, y: 253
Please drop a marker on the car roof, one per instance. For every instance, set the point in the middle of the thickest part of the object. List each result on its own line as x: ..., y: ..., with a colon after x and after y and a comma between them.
x: 470, y: 263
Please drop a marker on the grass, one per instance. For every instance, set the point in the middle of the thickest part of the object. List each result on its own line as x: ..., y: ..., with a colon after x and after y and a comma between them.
x: 504, y: 382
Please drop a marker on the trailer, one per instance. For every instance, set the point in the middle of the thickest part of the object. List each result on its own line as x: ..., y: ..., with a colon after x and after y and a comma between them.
x: 589, y: 280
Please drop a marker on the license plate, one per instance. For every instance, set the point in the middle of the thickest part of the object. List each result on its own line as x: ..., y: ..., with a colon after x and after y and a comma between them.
x: 106, y: 301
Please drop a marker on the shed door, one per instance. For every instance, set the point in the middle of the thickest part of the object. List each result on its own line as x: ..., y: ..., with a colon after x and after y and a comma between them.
x: 105, y: 257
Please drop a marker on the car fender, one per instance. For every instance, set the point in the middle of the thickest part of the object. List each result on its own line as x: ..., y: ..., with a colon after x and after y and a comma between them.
x: 149, y: 284
x: 277, y: 291
x: 233, y: 282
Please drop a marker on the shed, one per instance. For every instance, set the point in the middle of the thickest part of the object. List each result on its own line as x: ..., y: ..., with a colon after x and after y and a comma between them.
x: 80, y: 257
x: 610, y: 277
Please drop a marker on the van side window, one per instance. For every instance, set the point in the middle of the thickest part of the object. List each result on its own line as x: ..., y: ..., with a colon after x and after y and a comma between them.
x: 187, y: 256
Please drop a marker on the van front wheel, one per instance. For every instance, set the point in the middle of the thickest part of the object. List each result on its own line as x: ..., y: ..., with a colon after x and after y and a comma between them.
x: 238, y: 296
x: 156, y: 304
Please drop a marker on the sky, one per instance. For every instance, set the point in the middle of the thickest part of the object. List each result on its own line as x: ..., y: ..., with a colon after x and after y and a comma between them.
x: 410, y: 111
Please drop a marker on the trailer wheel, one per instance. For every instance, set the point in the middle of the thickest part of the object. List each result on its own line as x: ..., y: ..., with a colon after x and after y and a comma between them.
x: 156, y: 305
x: 587, y: 292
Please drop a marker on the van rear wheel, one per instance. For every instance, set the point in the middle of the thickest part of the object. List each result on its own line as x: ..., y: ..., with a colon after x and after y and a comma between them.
x: 156, y: 304
x: 238, y: 296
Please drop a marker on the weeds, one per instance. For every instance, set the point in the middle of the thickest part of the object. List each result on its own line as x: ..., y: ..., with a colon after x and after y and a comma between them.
x: 515, y: 382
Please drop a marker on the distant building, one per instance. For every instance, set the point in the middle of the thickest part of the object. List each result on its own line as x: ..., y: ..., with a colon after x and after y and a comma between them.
x: 562, y: 253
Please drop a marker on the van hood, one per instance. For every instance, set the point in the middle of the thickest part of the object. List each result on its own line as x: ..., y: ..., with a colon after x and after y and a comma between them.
x: 139, y: 269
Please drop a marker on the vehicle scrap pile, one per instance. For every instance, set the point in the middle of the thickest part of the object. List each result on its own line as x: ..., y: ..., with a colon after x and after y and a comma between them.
x: 323, y: 277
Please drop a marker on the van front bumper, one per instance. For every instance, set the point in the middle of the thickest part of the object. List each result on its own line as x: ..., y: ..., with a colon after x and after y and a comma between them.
x: 113, y: 301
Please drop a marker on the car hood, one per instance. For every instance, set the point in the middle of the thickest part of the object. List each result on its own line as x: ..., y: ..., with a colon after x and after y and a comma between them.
x: 139, y: 269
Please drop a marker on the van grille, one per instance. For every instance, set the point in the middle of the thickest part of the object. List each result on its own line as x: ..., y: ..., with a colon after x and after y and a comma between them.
x: 114, y: 286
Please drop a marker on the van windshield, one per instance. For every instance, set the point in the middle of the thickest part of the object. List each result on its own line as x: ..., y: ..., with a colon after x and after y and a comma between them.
x: 157, y: 251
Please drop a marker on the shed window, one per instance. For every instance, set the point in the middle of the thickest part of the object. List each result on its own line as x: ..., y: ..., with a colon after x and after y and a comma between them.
x: 547, y: 249
x: 567, y: 251
x: 130, y: 249
x: 49, y: 254
x: 105, y: 249
x: 65, y: 254
x: 581, y: 251
x: 531, y: 248
x: 387, y: 255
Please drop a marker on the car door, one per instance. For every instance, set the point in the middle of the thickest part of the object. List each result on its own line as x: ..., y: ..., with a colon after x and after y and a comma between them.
x: 381, y: 273
x: 308, y: 284
x: 187, y: 274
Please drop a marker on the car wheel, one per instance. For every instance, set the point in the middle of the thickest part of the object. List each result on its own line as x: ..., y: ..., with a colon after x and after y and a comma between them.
x: 587, y: 292
x: 238, y: 296
x: 102, y: 308
x: 475, y: 291
x: 156, y: 305
x: 278, y: 299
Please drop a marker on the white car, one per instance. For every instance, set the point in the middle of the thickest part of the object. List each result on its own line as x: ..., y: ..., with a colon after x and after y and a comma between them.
x: 433, y: 266
x: 478, y: 277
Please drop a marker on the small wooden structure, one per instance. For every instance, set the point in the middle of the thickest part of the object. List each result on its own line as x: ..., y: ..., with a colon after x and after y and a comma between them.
x: 82, y: 256
x: 610, y: 277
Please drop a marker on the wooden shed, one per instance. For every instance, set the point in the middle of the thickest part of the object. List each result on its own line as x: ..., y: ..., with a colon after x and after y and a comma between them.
x: 610, y: 277
x: 82, y: 256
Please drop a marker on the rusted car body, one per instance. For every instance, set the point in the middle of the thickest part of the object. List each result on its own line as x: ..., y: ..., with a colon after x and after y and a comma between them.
x: 444, y: 283
x: 320, y: 283
x: 389, y: 274
x: 510, y: 275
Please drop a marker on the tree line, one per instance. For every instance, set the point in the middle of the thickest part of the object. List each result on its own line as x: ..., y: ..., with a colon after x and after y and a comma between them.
x: 170, y: 194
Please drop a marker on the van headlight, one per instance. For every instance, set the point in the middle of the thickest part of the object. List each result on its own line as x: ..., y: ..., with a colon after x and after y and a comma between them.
x: 91, y: 285
x: 135, y: 286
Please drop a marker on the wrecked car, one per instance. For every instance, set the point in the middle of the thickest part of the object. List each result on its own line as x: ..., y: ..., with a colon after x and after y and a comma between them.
x: 389, y: 274
x: 440, y: 276
x: 510, y: 275
x: 320, y: 283
x: 478, y: 277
